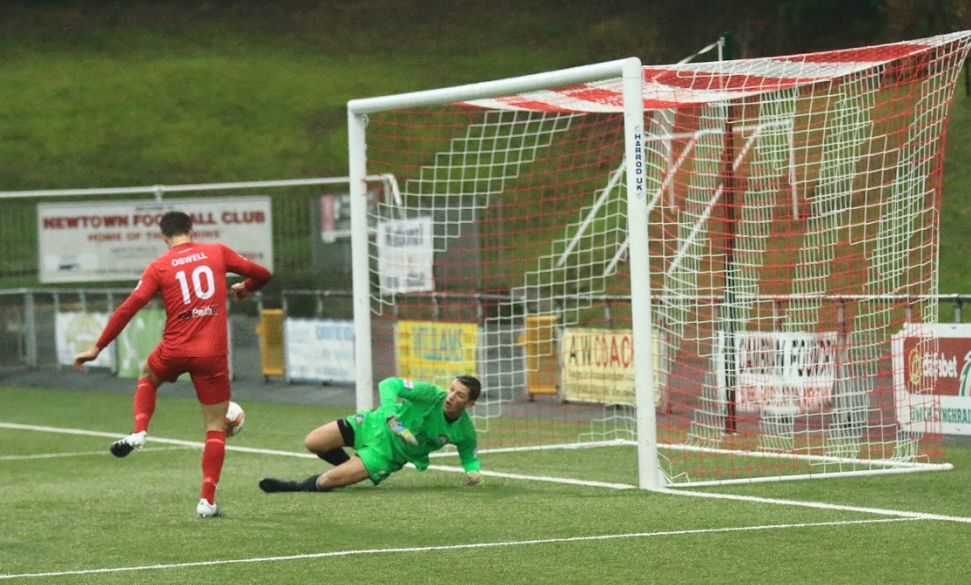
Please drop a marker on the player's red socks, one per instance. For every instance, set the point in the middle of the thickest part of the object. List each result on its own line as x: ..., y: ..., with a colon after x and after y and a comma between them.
x: 212, y: 463
x: 144, y: 404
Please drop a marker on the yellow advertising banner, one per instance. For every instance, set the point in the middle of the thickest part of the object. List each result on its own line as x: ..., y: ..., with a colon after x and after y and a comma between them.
x: 437, y: 352
x: 598, y: 366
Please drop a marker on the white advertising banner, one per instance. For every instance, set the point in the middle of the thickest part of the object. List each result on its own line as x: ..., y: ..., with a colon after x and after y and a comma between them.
x: 932, y: 378
x: 319, y: 350
x: 91, y: 241
x: 77, y: 331
x: 784, y: 372
x: 406, y: 255
x: 335, y: 217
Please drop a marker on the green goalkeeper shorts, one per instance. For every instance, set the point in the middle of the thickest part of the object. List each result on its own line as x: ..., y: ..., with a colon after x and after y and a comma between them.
x: 372, y: 441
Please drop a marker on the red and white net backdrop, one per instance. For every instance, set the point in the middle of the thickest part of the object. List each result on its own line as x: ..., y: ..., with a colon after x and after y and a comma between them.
x: 794, y: 206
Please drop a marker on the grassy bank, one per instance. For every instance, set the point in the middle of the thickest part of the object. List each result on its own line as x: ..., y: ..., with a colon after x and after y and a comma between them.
x: 100, y: 94
x: 173, y: 94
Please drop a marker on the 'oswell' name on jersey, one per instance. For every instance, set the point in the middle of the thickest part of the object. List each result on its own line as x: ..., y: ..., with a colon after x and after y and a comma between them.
x: 189, y: 258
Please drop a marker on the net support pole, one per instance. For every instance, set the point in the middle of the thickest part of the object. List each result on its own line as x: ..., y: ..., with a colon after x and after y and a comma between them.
x: 649, y: 476
x: 364, y: 389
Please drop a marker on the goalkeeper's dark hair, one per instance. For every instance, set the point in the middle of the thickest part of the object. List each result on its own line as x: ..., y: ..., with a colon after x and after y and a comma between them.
x: 175, y: 223
x: 473, y: 384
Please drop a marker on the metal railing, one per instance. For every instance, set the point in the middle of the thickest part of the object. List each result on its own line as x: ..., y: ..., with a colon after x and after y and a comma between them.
x: 27, y: 315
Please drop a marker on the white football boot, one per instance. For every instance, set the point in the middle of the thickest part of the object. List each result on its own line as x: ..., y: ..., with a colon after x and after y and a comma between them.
x: 123, y: 447
x: 206, y: 510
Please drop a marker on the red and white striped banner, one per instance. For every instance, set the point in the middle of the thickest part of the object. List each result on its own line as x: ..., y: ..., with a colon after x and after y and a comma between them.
x: 671, y: 86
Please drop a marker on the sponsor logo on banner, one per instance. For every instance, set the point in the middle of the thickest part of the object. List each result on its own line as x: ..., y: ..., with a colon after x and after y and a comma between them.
x: 437, y: 352
x: 319, y: 350
x: 963, y: 380
x: 932, y: 375
x: 784, y: 371
x: 598, y: 365
x: 937, y: 365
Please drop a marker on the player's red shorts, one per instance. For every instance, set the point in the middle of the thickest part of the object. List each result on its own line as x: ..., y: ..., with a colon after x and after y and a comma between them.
x: 210, y: 374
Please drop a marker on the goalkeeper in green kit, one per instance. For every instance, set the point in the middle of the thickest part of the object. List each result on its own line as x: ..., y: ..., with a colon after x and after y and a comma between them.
x: 387, y: 438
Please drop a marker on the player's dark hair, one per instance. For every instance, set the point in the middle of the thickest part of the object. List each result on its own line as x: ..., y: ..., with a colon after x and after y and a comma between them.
x: 175, y: 223
x: 473, y: 384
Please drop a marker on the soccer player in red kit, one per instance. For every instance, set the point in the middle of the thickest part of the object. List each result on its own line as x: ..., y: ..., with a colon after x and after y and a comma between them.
x: 191, y: 277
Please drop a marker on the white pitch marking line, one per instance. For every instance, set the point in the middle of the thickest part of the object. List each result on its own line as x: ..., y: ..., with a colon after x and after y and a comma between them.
x: 903, y: 514
x: 199, y: 445
x: 561, y: 480
x: 754, y: 499
x: 77, y: 454
x: 418, y: 549
x: 195, y: 444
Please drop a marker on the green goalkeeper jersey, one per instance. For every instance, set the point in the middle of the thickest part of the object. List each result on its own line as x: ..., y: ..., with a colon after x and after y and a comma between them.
x: 422, y: 411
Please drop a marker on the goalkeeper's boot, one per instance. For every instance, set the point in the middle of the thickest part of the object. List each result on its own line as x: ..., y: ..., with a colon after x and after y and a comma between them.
x: 271, y: 485
x: 123, y: 447
x: 206, y: 510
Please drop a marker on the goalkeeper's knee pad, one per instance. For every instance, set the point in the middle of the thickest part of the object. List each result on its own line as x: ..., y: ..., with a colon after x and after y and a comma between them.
x: 335, y: 456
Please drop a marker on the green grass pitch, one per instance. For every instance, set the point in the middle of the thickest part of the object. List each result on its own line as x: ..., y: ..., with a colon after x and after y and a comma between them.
x: 72, y: 514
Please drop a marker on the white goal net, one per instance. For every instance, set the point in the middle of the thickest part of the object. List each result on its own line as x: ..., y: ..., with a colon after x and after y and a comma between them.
x: 708, y: 262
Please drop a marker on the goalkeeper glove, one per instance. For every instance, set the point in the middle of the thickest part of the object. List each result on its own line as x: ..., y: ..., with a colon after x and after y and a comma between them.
x: 473, y: 478
x: 401, y: 430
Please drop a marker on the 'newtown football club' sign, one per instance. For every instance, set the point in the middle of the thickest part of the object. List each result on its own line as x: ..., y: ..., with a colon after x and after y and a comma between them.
x: 112, y: 241
x: 931, y: 367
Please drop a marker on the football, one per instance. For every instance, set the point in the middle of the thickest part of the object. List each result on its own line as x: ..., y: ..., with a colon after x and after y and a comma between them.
x: 235, y: 419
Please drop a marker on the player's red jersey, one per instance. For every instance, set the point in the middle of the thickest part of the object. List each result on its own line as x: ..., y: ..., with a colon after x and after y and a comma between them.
x: 192, y: 280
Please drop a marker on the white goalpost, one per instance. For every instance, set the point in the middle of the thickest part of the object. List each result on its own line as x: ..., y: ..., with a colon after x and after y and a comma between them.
x: 707, y: 263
